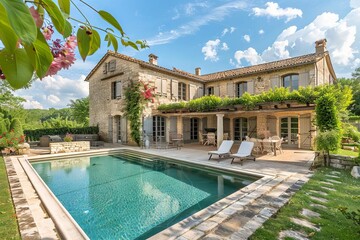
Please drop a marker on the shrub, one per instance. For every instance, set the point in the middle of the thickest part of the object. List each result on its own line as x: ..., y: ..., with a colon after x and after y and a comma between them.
x: 3, y: 127
x: 351, y: 131
x: 327, y: 117
x: 68, y: 137
x: 328, y: 141
x: 16, y: 126
x: 206, y: 103
x: 34, y: 135
x: 11, y: 139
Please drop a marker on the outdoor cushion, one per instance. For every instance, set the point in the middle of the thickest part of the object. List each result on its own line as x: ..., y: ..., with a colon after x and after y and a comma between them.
x: 224, y: 149
x: 244, y: 151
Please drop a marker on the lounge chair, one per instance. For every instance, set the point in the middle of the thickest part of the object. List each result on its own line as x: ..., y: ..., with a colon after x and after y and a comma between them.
x: 244, y: 152
x: 223, y: 150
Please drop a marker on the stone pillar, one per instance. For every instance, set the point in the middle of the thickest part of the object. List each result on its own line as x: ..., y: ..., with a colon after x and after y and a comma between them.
x: 114, y: 128
x: 167, y: 129
x: 261, y: 126
x: 220, y: 128
x: 232, y: 132
x: 312, y: 130
x: 179, y: 125
x: 277, y: 127
x: 298, y: 134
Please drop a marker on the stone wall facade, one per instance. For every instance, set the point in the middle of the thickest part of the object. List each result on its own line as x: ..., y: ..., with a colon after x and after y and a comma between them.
x: 64, y: 147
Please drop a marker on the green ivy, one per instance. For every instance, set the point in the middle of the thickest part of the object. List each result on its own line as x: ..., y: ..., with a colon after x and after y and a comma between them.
x: 133, y: 110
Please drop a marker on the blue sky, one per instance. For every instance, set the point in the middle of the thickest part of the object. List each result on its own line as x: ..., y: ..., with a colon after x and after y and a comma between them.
x: 215, y: 35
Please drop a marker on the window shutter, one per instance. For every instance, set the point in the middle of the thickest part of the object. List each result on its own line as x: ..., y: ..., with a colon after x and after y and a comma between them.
x: 275, y: 82
x: 200, y: 92
x: 105, y: 68
x: 118, y: 89
x: 158, y: 85
x: 164, y: 87
x: 112, y: 65
x: 192, y: 91
x: 217, y: 91
x: 174, y: 89
x: 250, y: 87
x: 304, y: 79
x: 230, y: 89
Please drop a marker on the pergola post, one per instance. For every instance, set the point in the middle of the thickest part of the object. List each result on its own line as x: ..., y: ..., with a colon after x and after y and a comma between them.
x: 167, y: 129
x: 232, y: 132
x: 179, y: 125
x: 220, y: 128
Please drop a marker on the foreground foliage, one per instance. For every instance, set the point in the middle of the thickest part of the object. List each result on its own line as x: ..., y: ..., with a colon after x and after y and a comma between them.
x: 8, y: 223
x: 34, y: 135
x: 334, y: 224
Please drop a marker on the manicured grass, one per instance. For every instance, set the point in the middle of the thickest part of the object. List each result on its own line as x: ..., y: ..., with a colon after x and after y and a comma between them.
x: 8, y: 223
x: 333, y: 223
x: 344, y: 152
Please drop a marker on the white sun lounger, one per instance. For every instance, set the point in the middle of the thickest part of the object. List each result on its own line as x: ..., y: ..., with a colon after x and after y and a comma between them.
x: 244, y: 152
x: 223, y: 150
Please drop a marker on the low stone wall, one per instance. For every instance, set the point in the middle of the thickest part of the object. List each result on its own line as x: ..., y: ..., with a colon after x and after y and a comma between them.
x: 342, y: 162
x: 63, y: 147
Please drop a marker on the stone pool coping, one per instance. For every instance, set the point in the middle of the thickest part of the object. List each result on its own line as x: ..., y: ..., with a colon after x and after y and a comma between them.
x: 242, y: 197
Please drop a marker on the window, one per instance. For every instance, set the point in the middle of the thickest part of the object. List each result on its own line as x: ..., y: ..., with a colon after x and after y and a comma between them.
x: 241, y: 88
x: 210, y: 91
x: 291, y: 81
x: 182, y: 91
x: 241, y: 128
x: 109, y: 66
x: 116, y: 89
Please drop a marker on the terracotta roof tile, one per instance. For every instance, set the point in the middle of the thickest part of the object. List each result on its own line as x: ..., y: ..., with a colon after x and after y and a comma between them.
x: 270, y: 66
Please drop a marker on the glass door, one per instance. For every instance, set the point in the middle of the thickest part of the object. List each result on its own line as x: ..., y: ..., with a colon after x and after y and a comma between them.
x: 158, y: 128
x: 194, y: 128
x: 289, y: 129
x: 241, y: 128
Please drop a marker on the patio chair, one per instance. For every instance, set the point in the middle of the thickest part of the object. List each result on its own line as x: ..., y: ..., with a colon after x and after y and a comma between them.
x: 210, y: 139
x: 278, y: 144
x: 267, y: 146
x: 257, y: 145
x: 244, y: 152
x: 201, y: 138
x: 226, y: 136
x: 223, y: 150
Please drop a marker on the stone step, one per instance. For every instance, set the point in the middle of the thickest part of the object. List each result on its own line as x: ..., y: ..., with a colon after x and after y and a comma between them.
x: 292, y: 234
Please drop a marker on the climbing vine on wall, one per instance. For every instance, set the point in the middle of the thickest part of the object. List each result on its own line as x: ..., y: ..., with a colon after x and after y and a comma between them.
x: 136, y: 95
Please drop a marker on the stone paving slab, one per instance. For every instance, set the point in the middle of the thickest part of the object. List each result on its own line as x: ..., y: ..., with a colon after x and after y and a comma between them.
x: 292, y: 234
x: 332, y: 181
x: 318, y: 206
x: 335, y: 172
x: 322, y: 200
x: 319, y: 192
x: 327, y: 183
x: 332, y: 176
x: 305, y: 223
x: 329, y: 189
x: 308, y: 213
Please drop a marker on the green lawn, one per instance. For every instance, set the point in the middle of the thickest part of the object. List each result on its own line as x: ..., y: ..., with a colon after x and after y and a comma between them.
x: 8, y: 223
x: 332, y: 222
x: 344, y: 152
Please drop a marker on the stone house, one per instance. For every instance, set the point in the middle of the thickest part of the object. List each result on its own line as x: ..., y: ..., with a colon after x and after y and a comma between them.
x: 292, y: 121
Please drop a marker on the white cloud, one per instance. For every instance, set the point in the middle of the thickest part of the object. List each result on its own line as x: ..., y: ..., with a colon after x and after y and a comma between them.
x: 177, y: 15
x: 232, y: 29
x: 355, y: 3
x: 250, y: 55
x: 343, y: 42
x: 190, y: 8
x: 274, y: 10
x: 210, y: 50
x: 55, y: 91
x: 224, y: 47
x: 224, y: 32
x: 231, y: 61
x: 261, y: 31
x: 215, y: 15
x: 247, y: 38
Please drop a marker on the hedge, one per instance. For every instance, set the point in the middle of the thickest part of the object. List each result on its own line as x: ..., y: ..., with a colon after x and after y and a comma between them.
x: 34, y: 135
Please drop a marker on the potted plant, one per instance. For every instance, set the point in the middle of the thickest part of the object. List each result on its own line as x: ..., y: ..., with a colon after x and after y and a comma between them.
x: 68, y: 137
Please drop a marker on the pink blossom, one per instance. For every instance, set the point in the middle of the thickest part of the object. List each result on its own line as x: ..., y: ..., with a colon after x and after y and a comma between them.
x: 66, y: 59
x: 54, y: 68
x: 36, y: 16
x: 47, y: 32
x: 71, y: 42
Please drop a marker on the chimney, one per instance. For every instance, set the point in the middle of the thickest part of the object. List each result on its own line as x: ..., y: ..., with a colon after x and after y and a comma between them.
x: 320, y: 46
x: 153, y: 59
x: 198, y: 71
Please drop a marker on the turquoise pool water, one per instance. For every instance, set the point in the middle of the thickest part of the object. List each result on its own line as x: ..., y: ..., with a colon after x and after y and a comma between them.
x: 128, y: 196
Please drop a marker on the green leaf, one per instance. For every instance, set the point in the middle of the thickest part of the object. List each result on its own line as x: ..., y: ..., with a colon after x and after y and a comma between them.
x: 55, y: 14
x: 64, y: 6
x: 95, y: 42
x: 68, y: 29
x: 133, y: 45
x: 20, y: 19
x: 110, y: 19
x: 17, y: 67
x: 83, y: 40
x: 113, y: 41
x: 40, y: 55
x: 7, y: 34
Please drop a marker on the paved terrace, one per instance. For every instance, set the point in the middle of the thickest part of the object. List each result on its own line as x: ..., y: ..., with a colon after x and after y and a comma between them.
x: 235, y: 217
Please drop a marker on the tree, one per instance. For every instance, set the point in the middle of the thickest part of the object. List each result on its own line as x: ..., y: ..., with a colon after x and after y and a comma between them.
x: 16, y: 127
x: 10, y: 105
x: 80, y: 110
x: 26, y: 35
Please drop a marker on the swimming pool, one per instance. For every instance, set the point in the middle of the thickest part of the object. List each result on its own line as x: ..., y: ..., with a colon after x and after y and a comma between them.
x: 131, y: 195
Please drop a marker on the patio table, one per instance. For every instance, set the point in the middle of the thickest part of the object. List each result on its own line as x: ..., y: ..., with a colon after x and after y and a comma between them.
x: 273, y: 142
